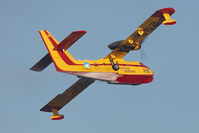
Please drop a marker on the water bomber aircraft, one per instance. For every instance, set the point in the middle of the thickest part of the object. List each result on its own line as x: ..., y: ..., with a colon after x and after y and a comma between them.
x: 112, y: 68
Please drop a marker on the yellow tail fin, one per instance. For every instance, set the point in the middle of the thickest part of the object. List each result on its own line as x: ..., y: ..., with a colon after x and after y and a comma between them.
x: 61, y: 58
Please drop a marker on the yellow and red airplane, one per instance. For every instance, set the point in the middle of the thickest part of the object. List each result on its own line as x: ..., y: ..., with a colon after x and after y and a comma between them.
x: 111, y: 69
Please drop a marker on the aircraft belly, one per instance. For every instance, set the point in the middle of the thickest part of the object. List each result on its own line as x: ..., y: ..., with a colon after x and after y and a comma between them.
x: 116, y: 78
x: 98, y: 75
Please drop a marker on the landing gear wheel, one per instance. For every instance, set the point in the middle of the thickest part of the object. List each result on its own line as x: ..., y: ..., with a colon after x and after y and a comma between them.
x: 115, y: 67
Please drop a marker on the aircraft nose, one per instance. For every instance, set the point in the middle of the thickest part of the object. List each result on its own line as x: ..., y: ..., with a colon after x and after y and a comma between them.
x: 148, y: 78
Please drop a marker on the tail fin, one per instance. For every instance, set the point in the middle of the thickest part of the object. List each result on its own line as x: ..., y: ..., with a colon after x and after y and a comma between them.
x: 57, y: 51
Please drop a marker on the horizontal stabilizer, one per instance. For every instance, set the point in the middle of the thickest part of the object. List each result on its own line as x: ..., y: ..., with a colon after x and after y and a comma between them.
x: 42, y: 64
x: 69, y: 40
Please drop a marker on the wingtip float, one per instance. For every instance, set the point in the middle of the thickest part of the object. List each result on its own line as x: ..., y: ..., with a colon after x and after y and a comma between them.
x: 112, y: 69
x: 56, y: 115
x: 167, y: 12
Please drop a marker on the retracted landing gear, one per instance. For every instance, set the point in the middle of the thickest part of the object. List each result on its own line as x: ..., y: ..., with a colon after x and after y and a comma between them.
x: 114, y: 66
x: 56, y: 115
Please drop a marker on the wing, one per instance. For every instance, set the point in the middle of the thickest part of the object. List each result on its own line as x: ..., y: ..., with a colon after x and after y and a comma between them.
x: 133, y: 42
x: 62, y: 99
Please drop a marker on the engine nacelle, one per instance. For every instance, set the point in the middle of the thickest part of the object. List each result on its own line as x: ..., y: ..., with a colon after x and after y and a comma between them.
x: 115, y: 44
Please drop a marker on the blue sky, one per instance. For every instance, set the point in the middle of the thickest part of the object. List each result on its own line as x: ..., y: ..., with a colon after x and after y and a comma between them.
x: 168, y: 104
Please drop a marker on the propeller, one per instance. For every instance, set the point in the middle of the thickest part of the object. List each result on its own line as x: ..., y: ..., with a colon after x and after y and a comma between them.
x: 142, y: 54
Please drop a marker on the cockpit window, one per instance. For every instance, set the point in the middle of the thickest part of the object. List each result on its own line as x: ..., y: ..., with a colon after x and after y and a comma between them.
x: 142, y: 64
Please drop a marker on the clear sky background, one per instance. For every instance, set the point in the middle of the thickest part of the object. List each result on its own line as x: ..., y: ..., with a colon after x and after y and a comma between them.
x: 167, y: 105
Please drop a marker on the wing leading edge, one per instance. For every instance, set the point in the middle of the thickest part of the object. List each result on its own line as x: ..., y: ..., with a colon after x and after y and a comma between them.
x: 133, y: 42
